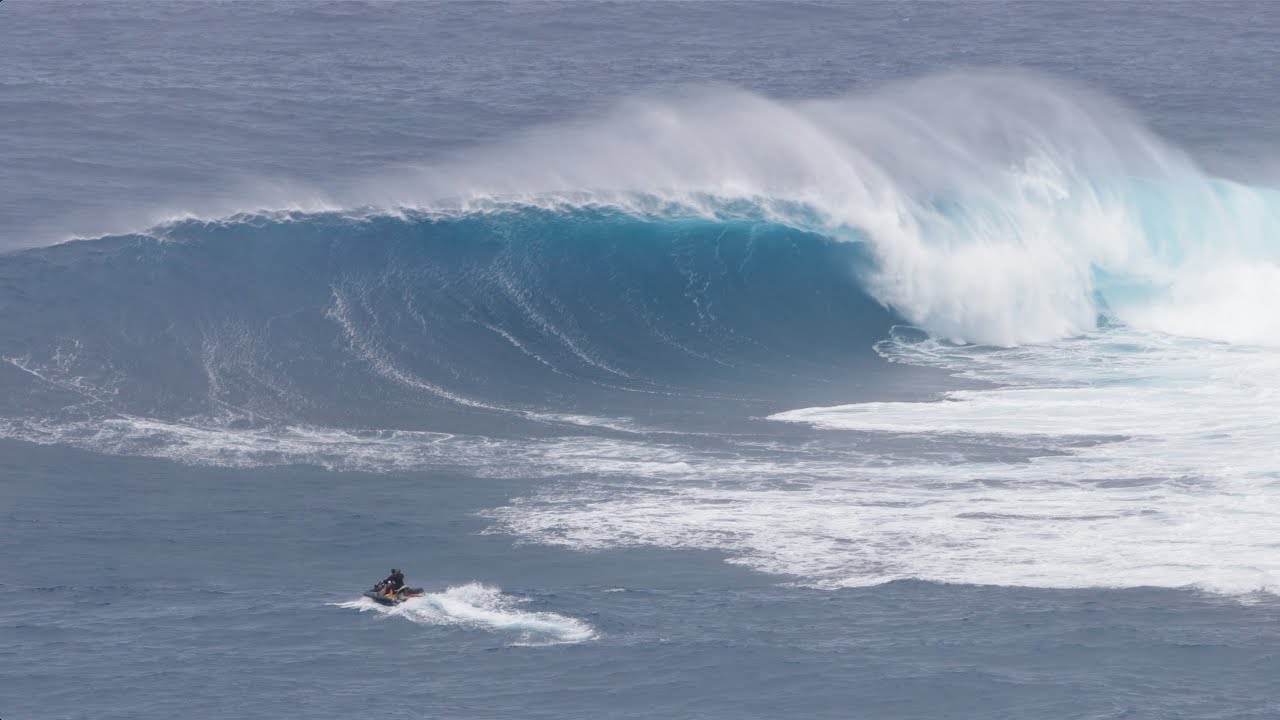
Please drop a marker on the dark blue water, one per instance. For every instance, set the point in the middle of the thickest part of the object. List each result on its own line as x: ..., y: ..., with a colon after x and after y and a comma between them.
x: 698, y: 360
x: 167, y: 606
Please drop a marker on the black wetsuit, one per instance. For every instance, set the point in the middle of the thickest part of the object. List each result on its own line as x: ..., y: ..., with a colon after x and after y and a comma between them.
x: 393, y: 583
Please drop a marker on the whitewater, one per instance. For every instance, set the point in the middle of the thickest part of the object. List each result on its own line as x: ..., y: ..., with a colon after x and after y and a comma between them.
x: 944, y: 391
x: 1038, y: 239
x: 477, y: 606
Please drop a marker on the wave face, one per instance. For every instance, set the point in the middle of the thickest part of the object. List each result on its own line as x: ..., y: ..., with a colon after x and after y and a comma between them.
x: 406, y: 321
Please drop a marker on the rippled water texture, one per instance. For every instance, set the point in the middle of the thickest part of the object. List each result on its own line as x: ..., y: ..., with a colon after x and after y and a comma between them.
x: 698, y: 360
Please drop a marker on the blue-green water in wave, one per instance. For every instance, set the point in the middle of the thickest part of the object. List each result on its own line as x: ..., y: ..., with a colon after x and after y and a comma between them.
x: 350, y: 322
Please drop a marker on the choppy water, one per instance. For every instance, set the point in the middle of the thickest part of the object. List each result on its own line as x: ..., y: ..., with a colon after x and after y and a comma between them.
x: 714, y: 360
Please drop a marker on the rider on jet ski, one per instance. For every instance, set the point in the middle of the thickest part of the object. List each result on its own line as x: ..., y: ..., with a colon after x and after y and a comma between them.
x: 392, y: 585
x: 392, y: 591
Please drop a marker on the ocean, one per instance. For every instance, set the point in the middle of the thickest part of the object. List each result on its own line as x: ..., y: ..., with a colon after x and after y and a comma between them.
x: 702, y: 359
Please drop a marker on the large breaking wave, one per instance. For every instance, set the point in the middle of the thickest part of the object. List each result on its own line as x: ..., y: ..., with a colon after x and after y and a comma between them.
x: 997, y: 208
x: 546, y: 307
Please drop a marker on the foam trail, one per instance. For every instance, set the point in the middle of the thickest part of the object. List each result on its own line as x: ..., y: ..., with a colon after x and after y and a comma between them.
x: 484, y: 607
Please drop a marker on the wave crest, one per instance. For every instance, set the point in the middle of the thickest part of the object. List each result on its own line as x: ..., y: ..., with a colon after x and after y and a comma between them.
x: 998, y: 208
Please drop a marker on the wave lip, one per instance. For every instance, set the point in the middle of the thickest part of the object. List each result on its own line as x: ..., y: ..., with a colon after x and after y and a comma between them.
x: 484, y: 607
x: 1000, y: 208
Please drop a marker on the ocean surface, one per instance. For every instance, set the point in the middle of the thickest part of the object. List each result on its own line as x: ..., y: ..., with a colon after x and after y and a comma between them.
x: 700, y: 360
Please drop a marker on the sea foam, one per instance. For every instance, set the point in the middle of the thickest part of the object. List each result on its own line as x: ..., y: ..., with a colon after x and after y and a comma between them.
x: 483, y: 607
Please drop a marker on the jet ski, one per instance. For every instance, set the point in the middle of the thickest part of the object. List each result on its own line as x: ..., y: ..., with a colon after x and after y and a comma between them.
x: 392, y: 591
x: 391, y: 599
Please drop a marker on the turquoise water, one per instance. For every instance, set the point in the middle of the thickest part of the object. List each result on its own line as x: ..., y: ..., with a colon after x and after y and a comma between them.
x: 699, y: 360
